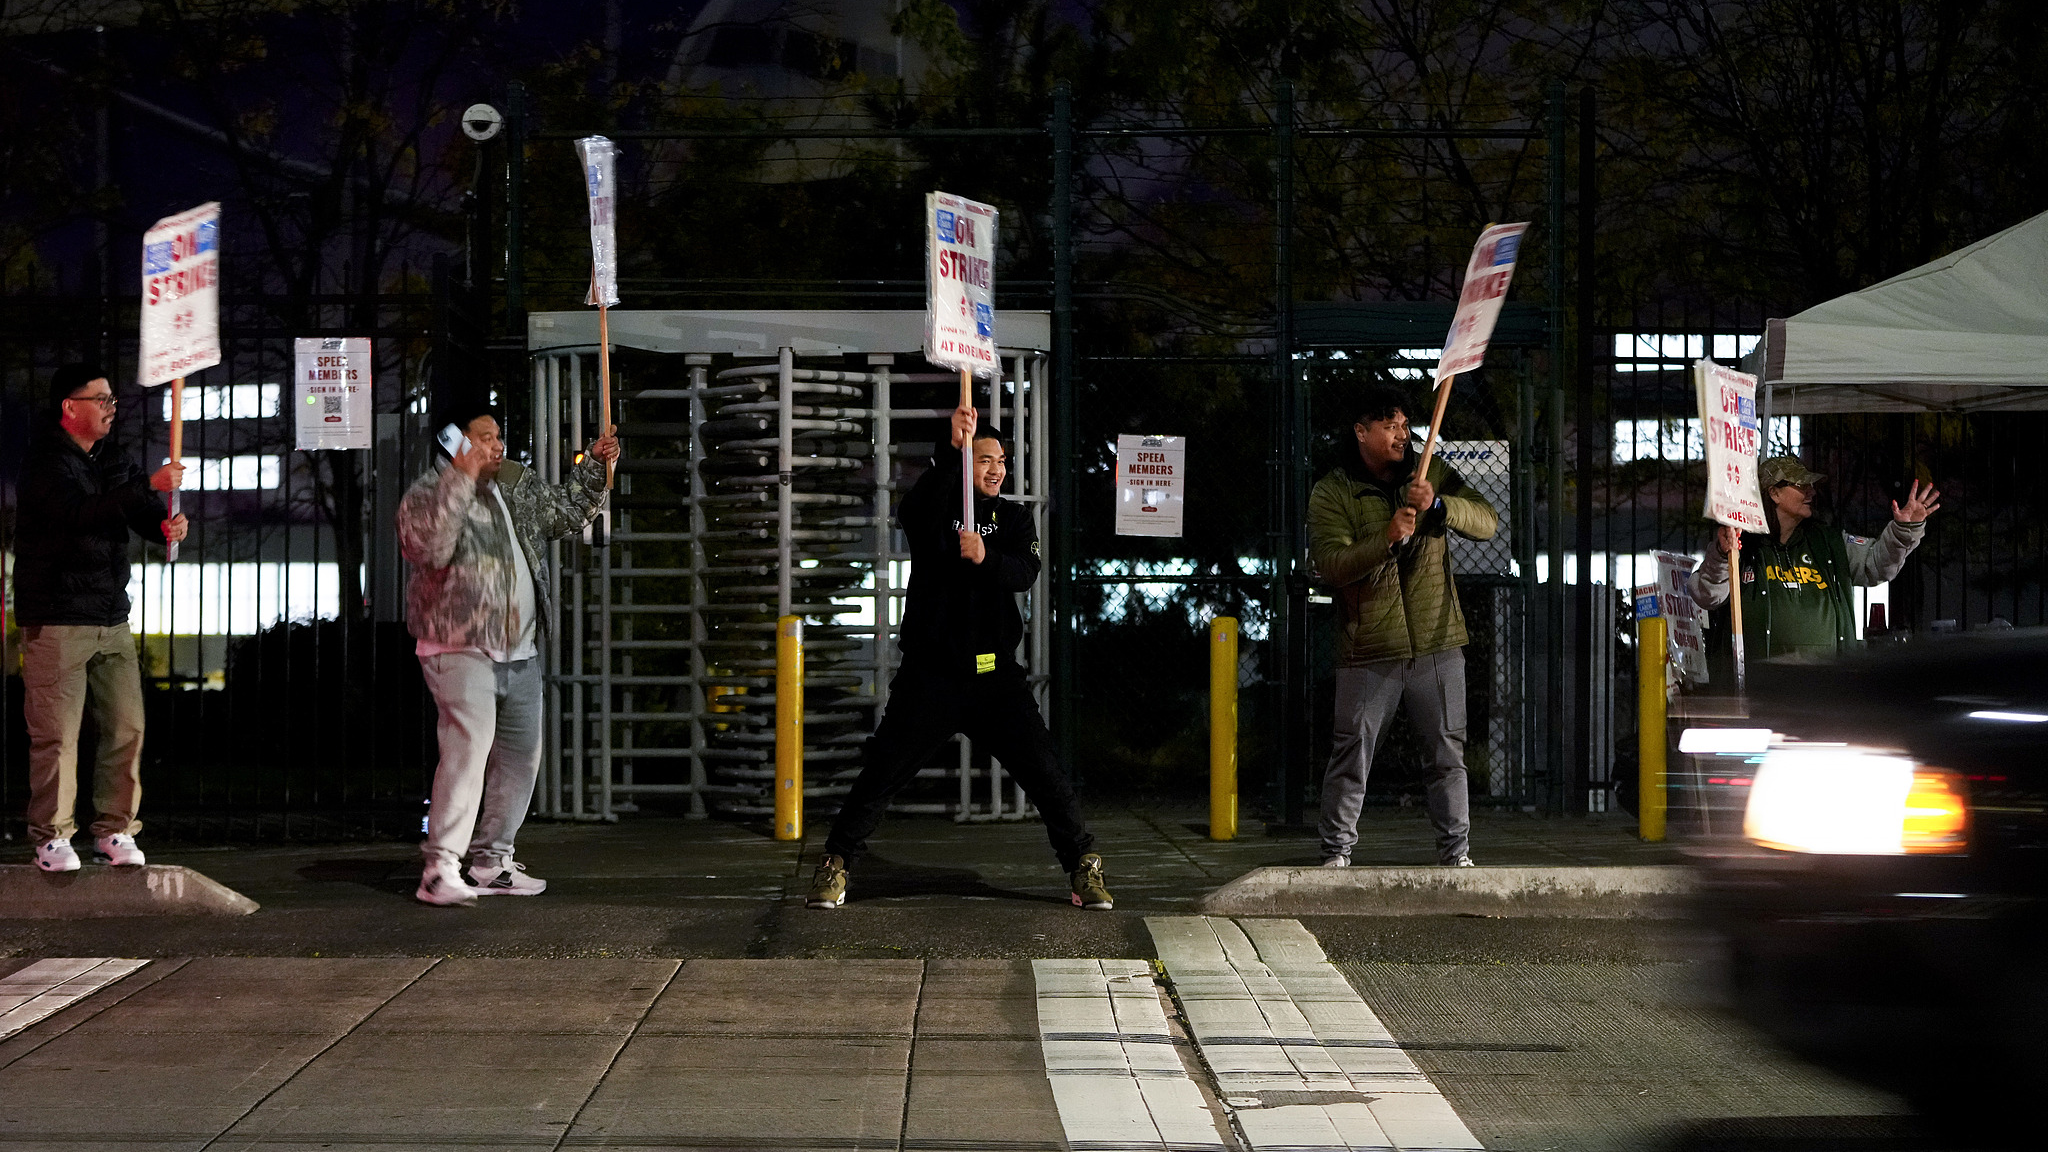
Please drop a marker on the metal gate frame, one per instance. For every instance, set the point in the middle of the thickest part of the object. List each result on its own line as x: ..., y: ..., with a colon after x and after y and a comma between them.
x: 590, y: 753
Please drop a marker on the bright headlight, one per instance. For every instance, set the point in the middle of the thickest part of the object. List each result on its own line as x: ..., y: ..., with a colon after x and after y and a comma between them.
x: 1855, y: 801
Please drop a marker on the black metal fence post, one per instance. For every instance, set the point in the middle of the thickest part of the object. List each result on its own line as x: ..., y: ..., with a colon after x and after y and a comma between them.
x: 1560, y: 770
x: 1066, y: 525
x: 515, y: 209
x: 1582, y: 634
x: 1290, y: 582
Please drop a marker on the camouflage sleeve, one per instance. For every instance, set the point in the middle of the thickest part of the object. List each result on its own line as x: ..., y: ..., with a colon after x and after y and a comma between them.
x: 563, y: 509
x: 430, y: 517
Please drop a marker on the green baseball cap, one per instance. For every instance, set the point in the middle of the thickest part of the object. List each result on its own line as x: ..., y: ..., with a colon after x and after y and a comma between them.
x: 1777, y: 470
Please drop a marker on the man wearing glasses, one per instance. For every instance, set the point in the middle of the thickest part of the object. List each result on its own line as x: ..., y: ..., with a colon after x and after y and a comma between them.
x: 1796, y: 578
x: 80, y: 497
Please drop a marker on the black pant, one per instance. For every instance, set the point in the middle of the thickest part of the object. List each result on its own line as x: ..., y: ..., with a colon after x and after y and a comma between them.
x: 996, y: 711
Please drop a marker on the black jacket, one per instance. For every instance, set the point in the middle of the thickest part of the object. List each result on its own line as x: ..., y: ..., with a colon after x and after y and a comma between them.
x: 72, y: 531
x: 959, y: 610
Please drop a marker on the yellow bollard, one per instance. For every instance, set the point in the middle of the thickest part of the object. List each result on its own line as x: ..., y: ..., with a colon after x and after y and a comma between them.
x: 789, y: 728
x: 1223, y: 728
x: 1651, y: 653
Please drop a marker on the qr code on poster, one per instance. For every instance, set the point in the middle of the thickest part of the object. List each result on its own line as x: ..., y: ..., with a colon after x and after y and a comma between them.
x: 330, y: 405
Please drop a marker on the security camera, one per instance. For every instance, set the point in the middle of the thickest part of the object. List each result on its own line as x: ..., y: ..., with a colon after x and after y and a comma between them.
x: 480, y: 122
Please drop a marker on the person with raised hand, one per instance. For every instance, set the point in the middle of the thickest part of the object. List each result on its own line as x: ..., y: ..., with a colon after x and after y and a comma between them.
x: 1796, y: 578
x: 476, y: 533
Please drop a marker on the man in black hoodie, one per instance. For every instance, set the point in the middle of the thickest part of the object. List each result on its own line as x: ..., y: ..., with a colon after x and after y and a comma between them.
x: 80, y: 497
x: 960, y: 672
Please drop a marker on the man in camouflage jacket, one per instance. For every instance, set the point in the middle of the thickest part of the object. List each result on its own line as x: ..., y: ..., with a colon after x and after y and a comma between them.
x: 1378, y: 535
x: 476, y: 602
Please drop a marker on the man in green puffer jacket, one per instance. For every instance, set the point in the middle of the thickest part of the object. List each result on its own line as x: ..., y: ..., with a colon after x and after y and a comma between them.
x: 1378, y: 536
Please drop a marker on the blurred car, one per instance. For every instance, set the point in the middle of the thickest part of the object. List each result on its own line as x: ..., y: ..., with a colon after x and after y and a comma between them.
x: 1884, y: 908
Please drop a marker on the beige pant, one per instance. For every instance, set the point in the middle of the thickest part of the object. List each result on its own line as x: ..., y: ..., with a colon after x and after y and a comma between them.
x: 59, y: 663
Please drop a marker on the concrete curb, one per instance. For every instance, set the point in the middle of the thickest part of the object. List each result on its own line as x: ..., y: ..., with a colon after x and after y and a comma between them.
x: 1581, y: 891
x: 29, y: 893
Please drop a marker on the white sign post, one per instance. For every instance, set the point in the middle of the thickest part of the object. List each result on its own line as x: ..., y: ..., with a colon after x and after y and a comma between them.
x: 597, y: 154
x: 1151, y: 483
x: 960, y: 304
x: 1487, y: 275
x: 180, y: 313
x: 1734, y: 437
x: 331, y: 395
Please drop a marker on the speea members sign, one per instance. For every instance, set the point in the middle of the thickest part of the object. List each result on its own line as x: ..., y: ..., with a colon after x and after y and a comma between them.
x: 180, y: 295
x: 1151, y: 485
x: 960, y: 284
x: 331, y: 392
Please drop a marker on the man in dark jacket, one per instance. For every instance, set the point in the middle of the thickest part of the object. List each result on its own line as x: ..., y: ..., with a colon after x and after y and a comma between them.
x: 960, y: 672
x: 80, y: 497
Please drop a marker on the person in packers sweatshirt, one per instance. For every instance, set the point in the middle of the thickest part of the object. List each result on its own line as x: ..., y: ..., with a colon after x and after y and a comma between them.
x: 1796, y: 578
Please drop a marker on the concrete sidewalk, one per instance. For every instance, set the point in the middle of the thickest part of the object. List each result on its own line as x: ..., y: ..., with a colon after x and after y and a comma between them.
x: 505, y: 1054
x: 1251, y: 1043
x: 670, y: 887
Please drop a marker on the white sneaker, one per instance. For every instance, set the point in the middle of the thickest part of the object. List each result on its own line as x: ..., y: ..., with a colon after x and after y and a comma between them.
x: 506, y: 877
x: 1336, y: 862
x: 441, y: 884
x: 57, y: 855
x: 1462, y: 862
x: 120, y: 850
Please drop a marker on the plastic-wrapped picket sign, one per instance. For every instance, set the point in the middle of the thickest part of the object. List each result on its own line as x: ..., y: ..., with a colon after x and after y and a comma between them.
x: 598, y: 155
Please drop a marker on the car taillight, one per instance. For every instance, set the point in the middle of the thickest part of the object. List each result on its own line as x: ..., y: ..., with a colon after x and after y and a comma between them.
x: 1841, y: 800
x: 1937, y: 813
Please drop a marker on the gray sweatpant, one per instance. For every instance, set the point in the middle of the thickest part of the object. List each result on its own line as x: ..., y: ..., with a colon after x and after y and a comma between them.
x: 1433, y: 688
x: 489, y: 729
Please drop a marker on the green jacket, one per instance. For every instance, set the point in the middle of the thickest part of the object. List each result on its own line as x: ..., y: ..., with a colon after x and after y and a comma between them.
x: 1795, y: 594
x: 1396, y: 603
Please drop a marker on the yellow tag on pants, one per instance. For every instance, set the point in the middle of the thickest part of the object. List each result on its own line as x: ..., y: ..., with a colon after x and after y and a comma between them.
x: 984, y: 662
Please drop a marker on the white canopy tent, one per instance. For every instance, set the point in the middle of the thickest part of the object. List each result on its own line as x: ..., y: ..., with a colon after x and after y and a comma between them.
x: 1965, y: 333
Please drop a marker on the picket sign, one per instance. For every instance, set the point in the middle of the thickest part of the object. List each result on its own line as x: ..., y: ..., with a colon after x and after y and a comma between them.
x: 180, y: 326
x: 960, y: 306
x: 1487, y: 275
x: 1734, y: 438
x: 597, y: 154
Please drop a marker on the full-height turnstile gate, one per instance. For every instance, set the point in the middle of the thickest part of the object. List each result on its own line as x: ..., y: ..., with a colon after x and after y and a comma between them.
x: 761, y: 452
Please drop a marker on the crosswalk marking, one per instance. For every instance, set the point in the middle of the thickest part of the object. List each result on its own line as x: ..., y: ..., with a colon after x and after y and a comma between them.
x: 1293, y: 1048
x: 1109, y: 1054
x: 44, y: 987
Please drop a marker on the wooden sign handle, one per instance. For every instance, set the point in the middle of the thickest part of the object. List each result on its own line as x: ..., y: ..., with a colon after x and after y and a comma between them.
x: 177, y: 454
x: 1735, y: 636
x: 605, y: 427
x: 967, y: 456
x: 1436, y: 423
